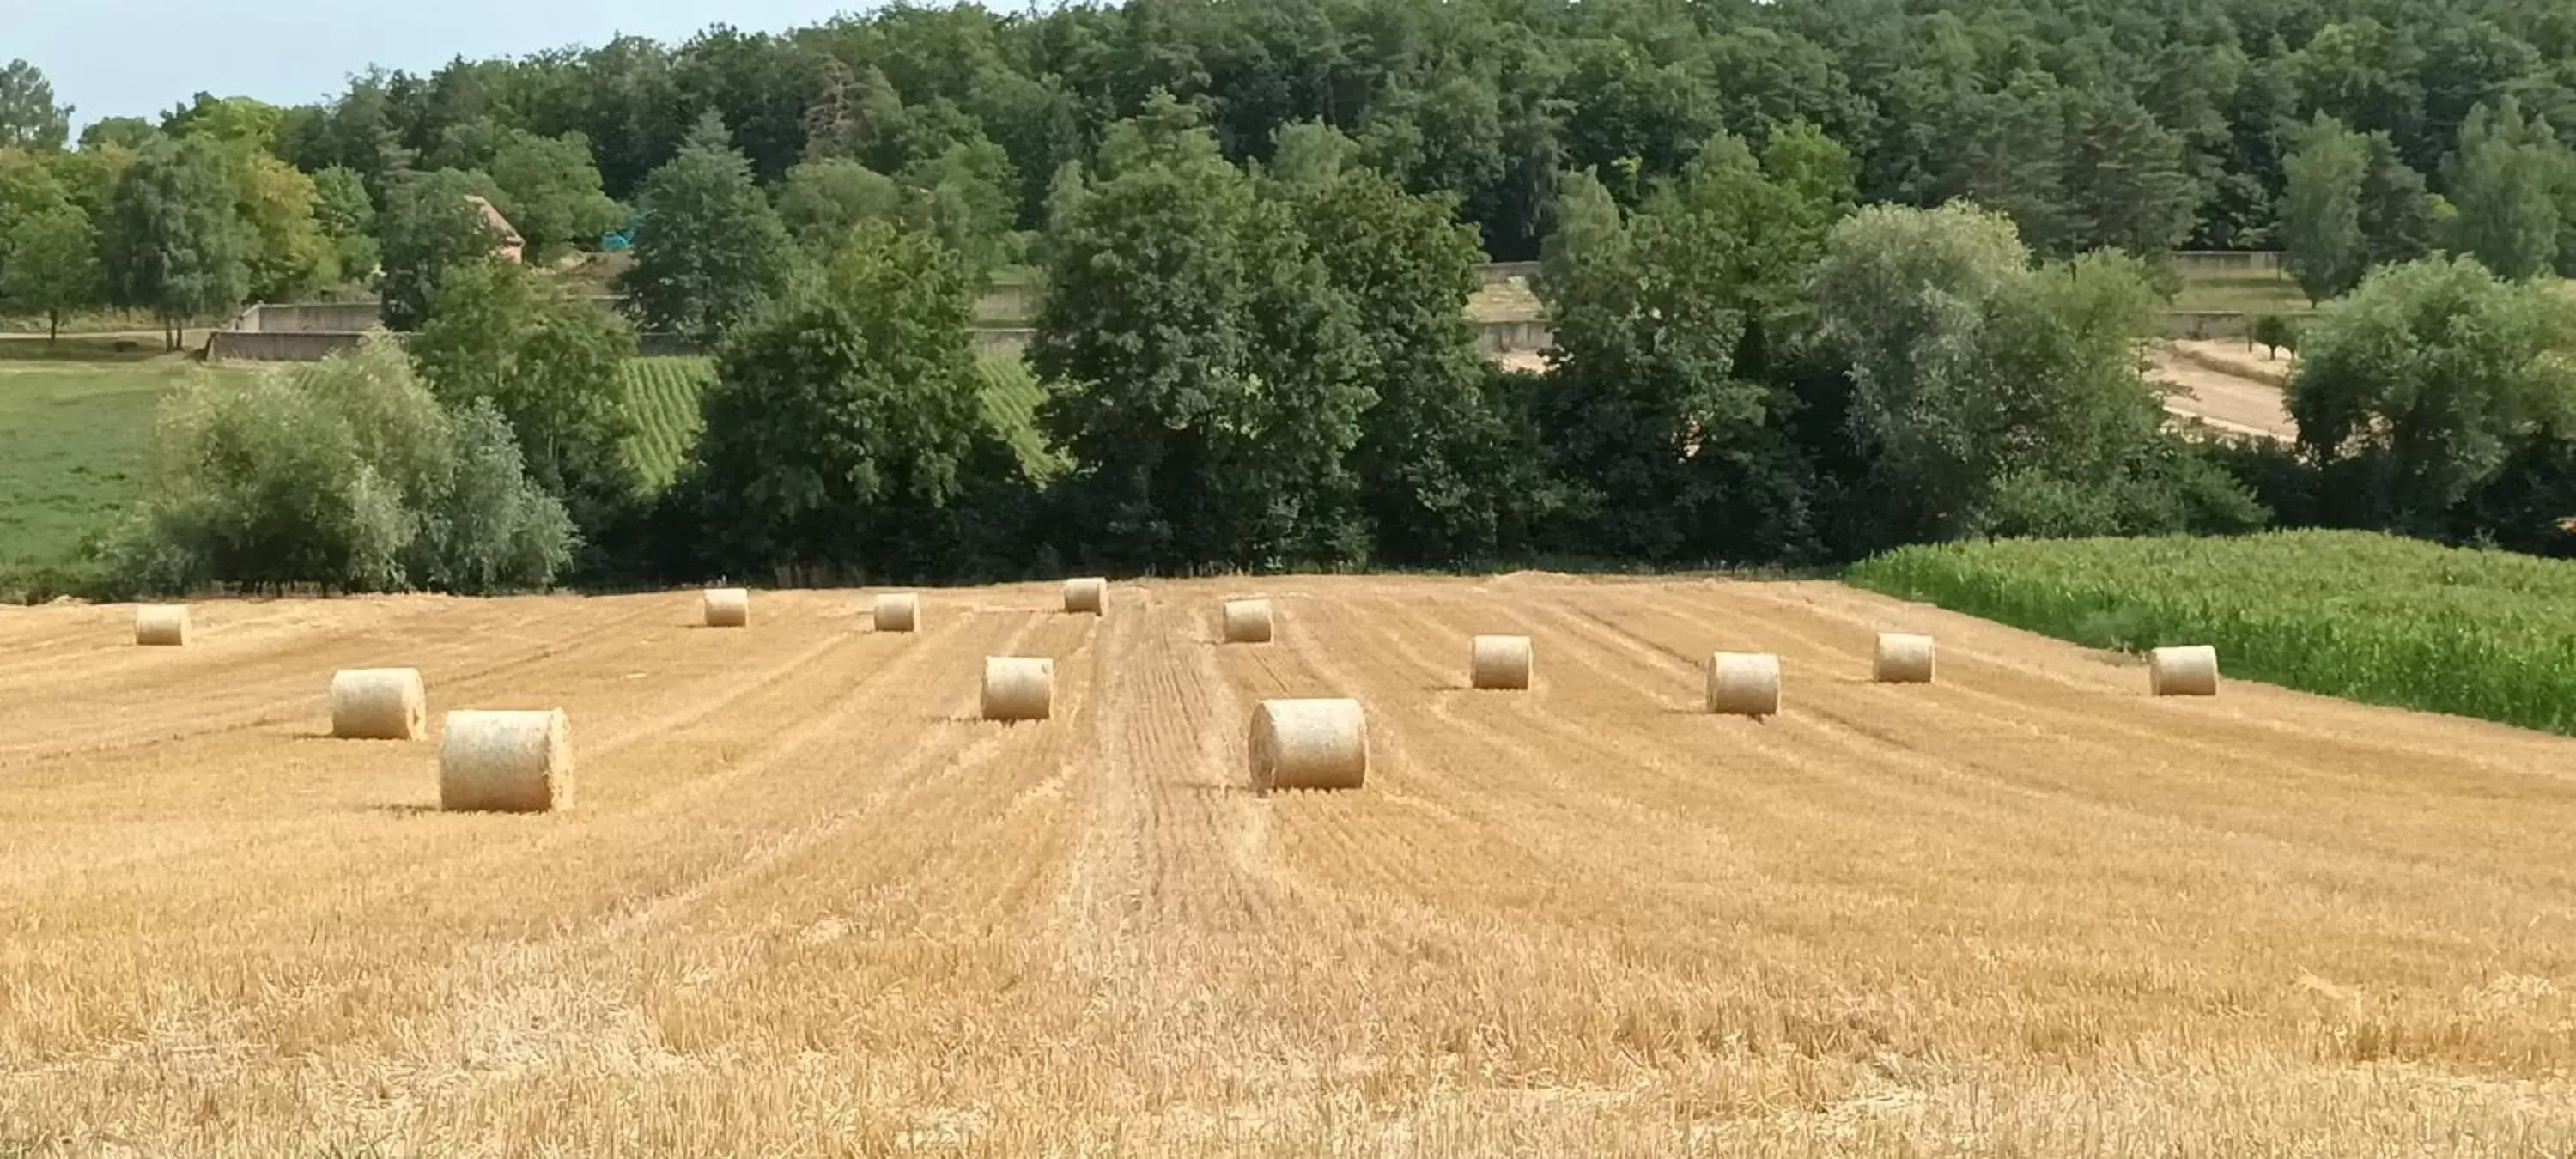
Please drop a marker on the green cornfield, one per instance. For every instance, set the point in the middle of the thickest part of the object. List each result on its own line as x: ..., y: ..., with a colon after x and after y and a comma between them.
x: 2359, y: 615
x: 662, y: 395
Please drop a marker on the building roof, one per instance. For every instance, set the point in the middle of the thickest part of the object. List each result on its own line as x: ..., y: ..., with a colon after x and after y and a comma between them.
x: 500, y: 225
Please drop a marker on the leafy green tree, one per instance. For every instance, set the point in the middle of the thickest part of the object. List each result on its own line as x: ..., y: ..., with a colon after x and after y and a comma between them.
x: 347, y: 474
x: 90, y: 177
x: 2504, y: 180
x: 49, y: 265
x: 362, y: 133
x: 29, y: 118
x: 2125, y: 181
x: 823, y: 200
x: 710, y: 250
x: 431, y: 226
x: 1309, y: 153
x: 1632, y: 119
x: 1586, y: 231
x: 1206, y: 377
x: 1994, y: 398
x: 243, y: 121
x: 1450, y: 136
x: 1660, y: 408
x: 177, y: 244
x: 128, y: 133
x: 553, y: 368
x: 2275, y: 334
x: 293, y: 258
x: 965, y: 195
x: 2428, y: 379
x: 550, y: 190
x: 2321, y: 229
x: 2012, y: 157
x: 30, y: 184
x: 348, y: 222
x: 1433, y: 460
x: 2397, y: 214
x: 843, y: 417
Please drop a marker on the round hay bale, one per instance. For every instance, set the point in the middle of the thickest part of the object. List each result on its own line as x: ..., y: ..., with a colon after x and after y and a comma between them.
x: 1086, y: 596
x: 1018, y: 688
x: 379, y: 704
x: 161, y: 625
x: 1744, y: 684
x: 505, y: 762
x: 728, y: 608
x: 1903, y: 659
x: 1309, y: 744
x: 1247, y: 621
x: 1500, y: 662
x: 2183, y: 671
x: 898, y: 612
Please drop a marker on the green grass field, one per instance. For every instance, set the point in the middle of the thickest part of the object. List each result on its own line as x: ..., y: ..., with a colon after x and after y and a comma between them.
x: 2358, y: 615
x: 2234, y: 292
x: 73, y: 442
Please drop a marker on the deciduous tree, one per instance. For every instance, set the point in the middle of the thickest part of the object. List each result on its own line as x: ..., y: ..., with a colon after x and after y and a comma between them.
x: 431, y: 225
x: 843, y: 416
x: 553, y: 367
x: 49, y: 265
x: 178, y: 245
x: 710, y: 250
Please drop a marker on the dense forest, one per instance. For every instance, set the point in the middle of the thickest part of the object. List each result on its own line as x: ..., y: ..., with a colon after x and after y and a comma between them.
x: 2143, y: 125
x: 1826, y: 275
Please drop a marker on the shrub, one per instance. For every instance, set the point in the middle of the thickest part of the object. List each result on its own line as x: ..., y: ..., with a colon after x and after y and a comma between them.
x: 347, y: 475
x: 2275, y: 334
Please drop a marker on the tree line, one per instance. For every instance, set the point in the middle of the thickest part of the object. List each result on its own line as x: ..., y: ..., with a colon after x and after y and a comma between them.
x: 1268, y: 366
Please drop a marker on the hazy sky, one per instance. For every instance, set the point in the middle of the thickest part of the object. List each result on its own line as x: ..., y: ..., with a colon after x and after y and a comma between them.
x: 140, y: 57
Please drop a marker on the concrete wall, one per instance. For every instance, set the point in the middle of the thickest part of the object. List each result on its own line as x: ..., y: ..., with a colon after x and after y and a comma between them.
x: 1515, y: 337
x: 2228, y: 261
x: 1003, y: 341
x: 309, y: 318
x: 260, y: 346
x: 1008, y: 304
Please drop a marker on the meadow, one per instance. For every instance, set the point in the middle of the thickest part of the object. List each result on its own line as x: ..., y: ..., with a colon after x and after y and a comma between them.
x: 75, y: 437
x: 2359, y: 615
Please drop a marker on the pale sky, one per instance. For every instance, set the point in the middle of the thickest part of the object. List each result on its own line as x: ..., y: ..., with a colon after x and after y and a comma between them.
x: 140, y: 57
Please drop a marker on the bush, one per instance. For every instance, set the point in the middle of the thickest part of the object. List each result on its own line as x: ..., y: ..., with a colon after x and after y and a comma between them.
x: 2275, y: 334
x: 347, y: 475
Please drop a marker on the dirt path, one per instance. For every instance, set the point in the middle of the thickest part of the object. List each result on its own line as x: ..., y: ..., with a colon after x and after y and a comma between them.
x: 809, y: 904
x: 2227, y: 387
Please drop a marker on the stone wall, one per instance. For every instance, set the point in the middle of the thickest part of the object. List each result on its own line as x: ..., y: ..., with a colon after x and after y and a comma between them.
x: 308, y: 318
x: 291, y: 346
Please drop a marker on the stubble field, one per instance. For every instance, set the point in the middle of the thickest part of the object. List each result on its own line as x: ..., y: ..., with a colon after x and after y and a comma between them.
x: 807, y: 904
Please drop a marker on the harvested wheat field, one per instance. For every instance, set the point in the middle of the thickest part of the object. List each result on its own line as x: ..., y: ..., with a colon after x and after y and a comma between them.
x: 810, y: 903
